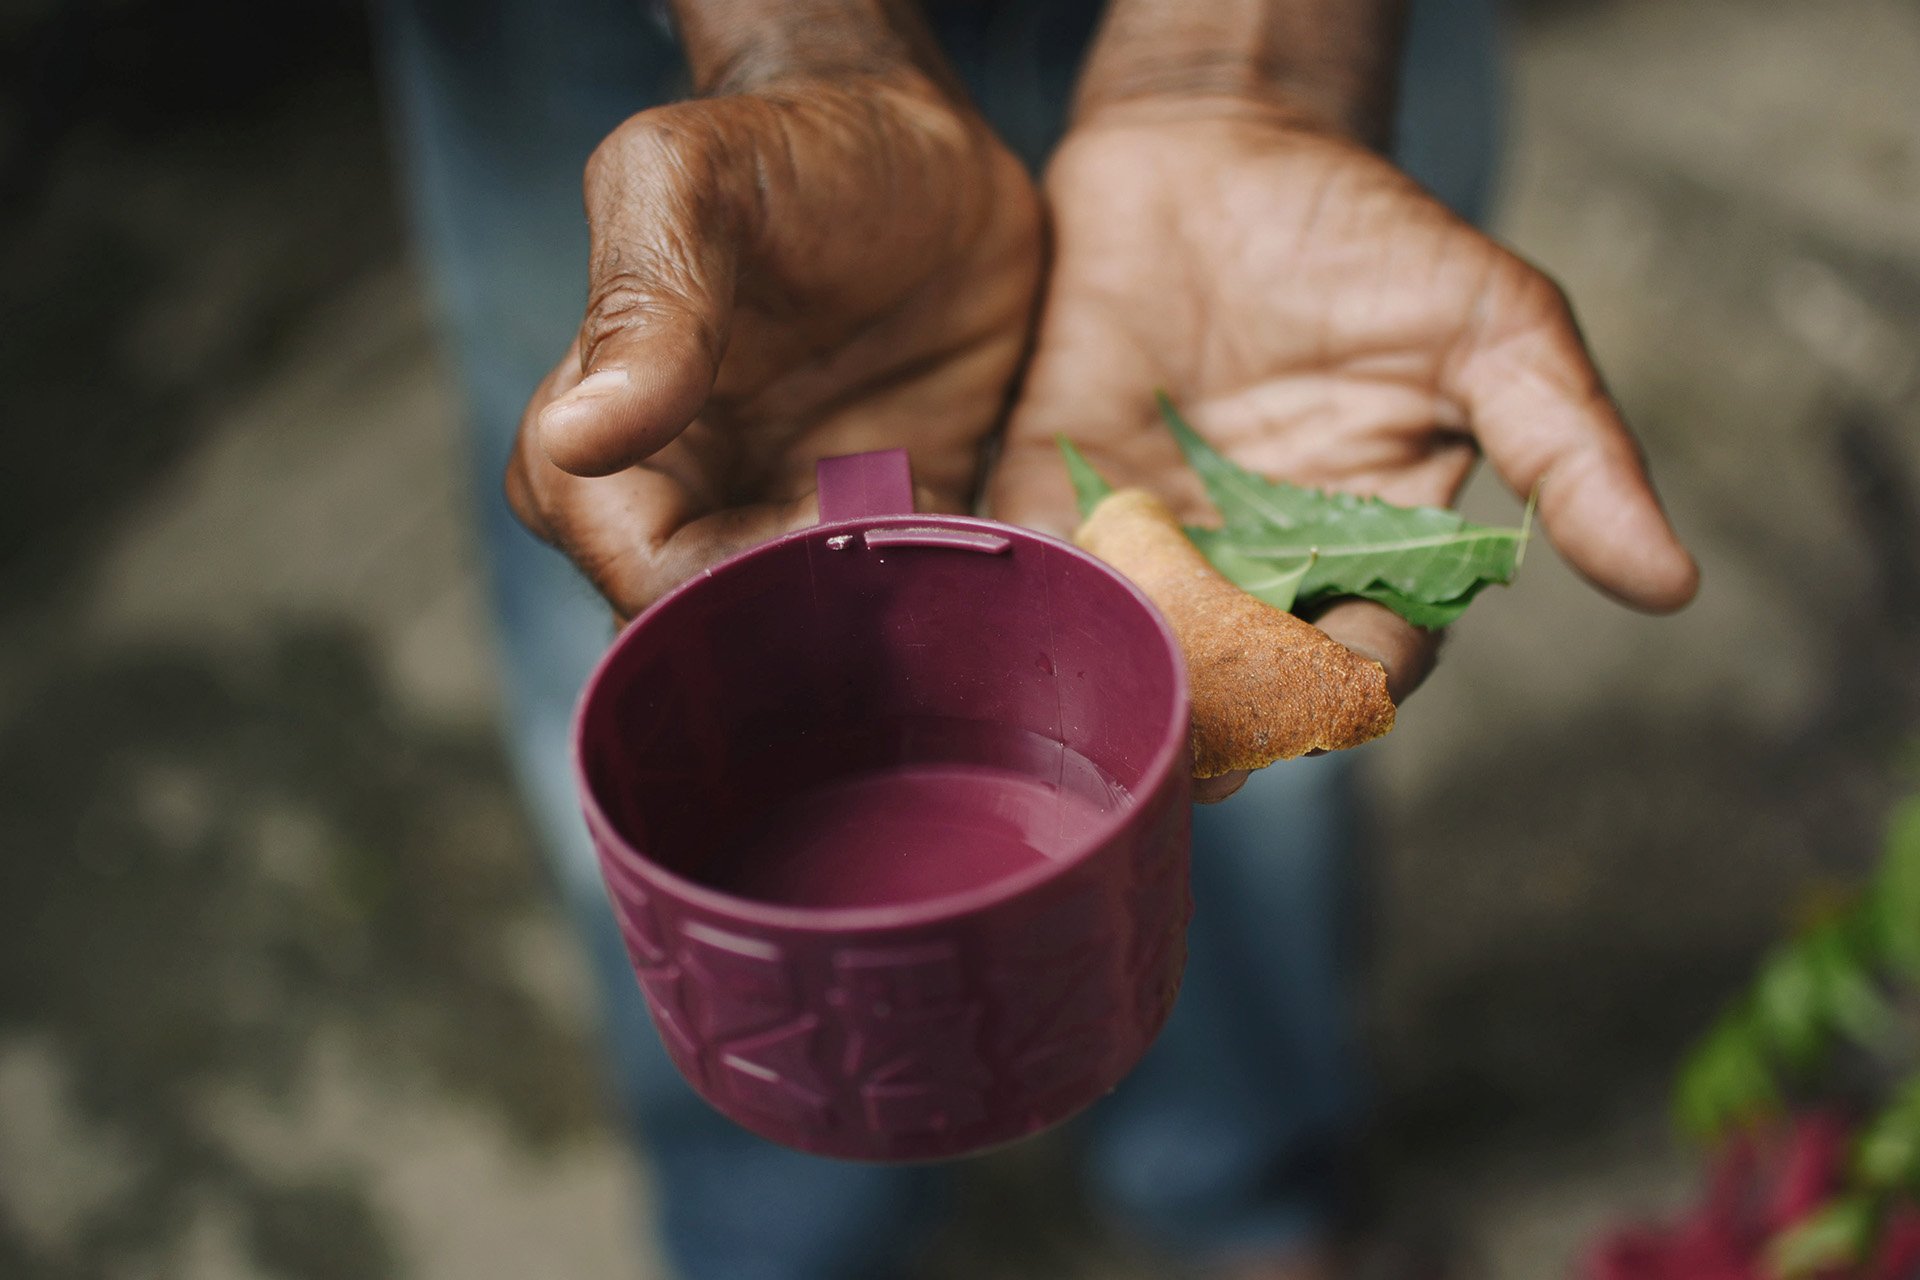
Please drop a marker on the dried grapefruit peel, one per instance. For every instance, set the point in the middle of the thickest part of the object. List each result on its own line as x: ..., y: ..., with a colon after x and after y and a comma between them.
x: 1266, y: 685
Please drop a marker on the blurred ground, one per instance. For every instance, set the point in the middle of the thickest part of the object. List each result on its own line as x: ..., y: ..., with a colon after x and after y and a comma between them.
x: 281, y: 993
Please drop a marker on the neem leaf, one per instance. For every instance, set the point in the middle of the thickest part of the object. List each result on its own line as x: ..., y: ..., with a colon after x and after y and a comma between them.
x: 1089, y: 486
x: 1277, y: 582
x: 1422, y: 553
x: 1426, y: 563
x: 1244, y: 498
x: 1422, y: 613
x: 1294, y: 547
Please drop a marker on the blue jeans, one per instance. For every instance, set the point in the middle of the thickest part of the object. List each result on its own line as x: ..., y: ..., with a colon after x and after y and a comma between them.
x: 1226, y: 1136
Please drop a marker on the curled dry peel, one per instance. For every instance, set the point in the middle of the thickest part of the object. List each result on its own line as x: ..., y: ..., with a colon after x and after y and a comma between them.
x: 1266, y: 685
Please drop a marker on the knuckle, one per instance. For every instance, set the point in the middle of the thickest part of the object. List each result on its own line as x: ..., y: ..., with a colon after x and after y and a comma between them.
x: 604, y: 164
x: 633, y: 289
x: 1540, y: 295
x: 555, y: 507
x: 658, y: 201
x: 672, y: 152
x: 522, y: 494
x: 610, y: 573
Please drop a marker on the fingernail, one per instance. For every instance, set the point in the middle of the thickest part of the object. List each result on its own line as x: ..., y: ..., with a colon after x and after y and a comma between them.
x: 595, y: 386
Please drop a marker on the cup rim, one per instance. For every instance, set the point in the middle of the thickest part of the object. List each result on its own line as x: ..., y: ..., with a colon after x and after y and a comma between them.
x: 1168, y: 754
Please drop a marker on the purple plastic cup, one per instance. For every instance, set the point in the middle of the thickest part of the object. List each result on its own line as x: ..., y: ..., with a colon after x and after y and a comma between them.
x: 894, y: 815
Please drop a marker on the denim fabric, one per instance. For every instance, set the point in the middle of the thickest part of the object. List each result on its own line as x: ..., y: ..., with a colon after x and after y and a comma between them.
x: 1224, y: 1136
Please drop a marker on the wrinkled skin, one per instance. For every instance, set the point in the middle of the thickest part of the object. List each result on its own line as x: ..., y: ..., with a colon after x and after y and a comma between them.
x: 829, y: 267
x: 776, y: 277
x: 1321, y: 319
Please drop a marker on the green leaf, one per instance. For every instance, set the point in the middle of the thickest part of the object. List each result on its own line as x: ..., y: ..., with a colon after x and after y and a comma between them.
x: 1422, y: 613
x: 1275, y: 581
x: 1840, y: 1235
x: 1850, y: 999
x: 1887, y: 1156
x: 1895, y: 896
x: 1246, y: 501
x: 1726, y: 1083
x: 1790, y: 1007
x: 1422, y: 553
x: 1815, y: 989
x: 1425, y: 563
x: 1089, y: 486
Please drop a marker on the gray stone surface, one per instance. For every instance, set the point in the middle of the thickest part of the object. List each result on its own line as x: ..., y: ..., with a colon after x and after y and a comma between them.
x: 281, y: 991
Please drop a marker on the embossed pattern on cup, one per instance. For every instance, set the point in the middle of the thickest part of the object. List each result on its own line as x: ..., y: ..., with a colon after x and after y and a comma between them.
x: 928, y: 1027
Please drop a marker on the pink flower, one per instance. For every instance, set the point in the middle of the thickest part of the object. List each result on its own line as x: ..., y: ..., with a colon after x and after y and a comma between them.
x: 1759, y: 1188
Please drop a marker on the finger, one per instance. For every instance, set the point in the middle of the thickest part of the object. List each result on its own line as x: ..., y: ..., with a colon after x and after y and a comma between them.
x: 1375, y: 631
x: 625, y: 531
x: 1214, y: 790
x: 640, y: 532
x: 631, y: 534
x: 521, y: 498
x: 661, y: 210
x: 1547, y: 424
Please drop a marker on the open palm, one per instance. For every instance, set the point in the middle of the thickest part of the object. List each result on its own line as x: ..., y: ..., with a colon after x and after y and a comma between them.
x: 1323, y: 320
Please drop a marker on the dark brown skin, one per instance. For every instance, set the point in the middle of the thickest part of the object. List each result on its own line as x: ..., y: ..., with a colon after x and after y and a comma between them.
x: 1315, y: 313
x: 1326, y: 62
x: 836, y: 255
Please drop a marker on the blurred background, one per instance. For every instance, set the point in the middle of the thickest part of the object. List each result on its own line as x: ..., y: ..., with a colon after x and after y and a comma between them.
x: 282, y: 992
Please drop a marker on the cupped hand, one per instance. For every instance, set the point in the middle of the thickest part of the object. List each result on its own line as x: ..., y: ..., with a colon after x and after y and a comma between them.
x: 1323, y: 320
x: 779, y: 276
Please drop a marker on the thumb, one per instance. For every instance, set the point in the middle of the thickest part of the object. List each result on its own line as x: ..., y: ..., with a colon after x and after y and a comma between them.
x: 660, y: 294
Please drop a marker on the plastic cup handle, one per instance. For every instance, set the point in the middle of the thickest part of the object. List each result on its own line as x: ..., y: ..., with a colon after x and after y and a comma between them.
x: 861, y: 486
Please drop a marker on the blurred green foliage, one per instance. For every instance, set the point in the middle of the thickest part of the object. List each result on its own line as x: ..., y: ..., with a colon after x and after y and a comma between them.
x: 1839, y: 983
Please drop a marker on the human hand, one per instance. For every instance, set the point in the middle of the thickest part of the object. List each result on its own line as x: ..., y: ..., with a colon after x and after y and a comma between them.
x: 1321, y: 319
x: 819, y: 266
